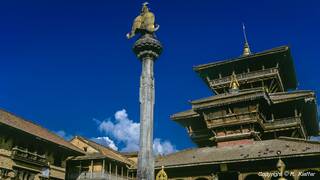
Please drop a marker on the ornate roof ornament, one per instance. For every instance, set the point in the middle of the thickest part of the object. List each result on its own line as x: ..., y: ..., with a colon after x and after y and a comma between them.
x: 144, y: 23
x: 281, y: 167
x: 234, y: 84
x: 246, y: 48
x: 162, y: 175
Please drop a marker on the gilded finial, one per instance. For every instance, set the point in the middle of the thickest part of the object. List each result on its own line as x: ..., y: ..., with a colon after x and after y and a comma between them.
x: 246, y: 48
x: 281, y: 167
x: 234, y: 84
x: 162, y: 175
x: 143, y: 23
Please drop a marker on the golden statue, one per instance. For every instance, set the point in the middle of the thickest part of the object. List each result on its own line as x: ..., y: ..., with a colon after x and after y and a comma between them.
x: 144, y: 23
x: 234, y: 84
x: 162, y: 175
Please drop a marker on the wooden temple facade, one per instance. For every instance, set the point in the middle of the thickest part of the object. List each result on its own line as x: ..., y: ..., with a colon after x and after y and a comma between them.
x: 31, y: 152
x: 256, y: 126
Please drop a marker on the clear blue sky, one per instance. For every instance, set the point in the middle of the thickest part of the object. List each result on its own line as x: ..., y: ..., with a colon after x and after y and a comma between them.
x: 64, y: 63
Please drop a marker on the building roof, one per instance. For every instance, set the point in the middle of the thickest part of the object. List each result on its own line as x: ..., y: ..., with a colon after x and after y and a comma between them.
x: 303, y: 96
x: 258, y: 150
x: 105, y: 151
x: 185, y: 114
x: 89, y: 157
x: 310, y: 110
x: 28, y: 127
x: 130, y: 154
x: 228, y: 98
x: 243, y: 95
x: 292, y: 95
x: 273, y: 56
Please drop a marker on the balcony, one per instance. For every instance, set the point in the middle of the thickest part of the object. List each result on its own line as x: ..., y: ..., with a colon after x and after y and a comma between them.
x: 234, y: 119
x: 28, y: 157
x: 246, y: 77
x: 282, y: 123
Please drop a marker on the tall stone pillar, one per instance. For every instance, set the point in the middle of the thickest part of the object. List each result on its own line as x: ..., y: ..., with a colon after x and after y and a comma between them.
x: 147, y: 48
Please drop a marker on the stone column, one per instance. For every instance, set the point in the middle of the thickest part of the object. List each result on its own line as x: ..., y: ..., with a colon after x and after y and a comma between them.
x: 147, y: 48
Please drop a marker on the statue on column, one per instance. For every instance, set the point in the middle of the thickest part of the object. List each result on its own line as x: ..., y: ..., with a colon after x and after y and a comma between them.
x: 144, y: 23
x: 147, y: 48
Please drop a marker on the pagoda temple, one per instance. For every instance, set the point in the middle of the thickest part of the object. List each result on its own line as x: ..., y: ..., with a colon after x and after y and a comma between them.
x: 257, y: 125
x: 255, y: 99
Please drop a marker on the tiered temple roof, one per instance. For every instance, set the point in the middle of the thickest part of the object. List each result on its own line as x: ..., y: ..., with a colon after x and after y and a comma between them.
x: 256, y: 98
x: 274, y: 67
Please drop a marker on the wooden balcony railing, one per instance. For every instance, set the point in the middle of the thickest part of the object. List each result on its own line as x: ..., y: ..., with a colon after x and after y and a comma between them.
x: 282, y: 122
x: 234, y: 118
x: 244, y: 76
x: 29, y: 157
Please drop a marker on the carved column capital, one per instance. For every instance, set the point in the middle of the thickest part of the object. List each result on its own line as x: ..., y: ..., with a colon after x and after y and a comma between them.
x: 147, y: 46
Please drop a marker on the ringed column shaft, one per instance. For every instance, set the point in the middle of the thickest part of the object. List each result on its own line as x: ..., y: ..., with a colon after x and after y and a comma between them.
x: 146, y: 160
x: 147, y: 48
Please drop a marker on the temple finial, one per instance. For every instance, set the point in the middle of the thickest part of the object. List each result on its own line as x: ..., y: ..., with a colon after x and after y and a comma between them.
x: 246, y: 48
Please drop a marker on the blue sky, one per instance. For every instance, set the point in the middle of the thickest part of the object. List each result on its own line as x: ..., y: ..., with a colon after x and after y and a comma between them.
x: 67, y: 65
